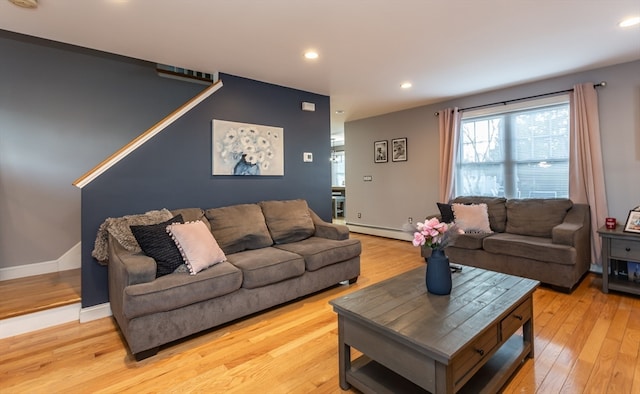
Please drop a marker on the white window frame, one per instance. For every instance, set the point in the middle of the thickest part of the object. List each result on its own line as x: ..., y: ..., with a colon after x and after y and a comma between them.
x: 508, y: 163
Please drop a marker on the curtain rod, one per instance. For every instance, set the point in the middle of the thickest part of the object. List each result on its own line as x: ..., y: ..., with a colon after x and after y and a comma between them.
x: 505, y: 102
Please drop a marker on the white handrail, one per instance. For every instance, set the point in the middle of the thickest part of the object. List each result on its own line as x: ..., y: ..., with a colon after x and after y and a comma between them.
x: 144, y: 137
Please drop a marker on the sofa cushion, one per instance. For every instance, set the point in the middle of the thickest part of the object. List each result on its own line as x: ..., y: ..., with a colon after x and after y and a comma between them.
x: 157, y: 244
x: 321, y: 252
x: 470, y: 241
x: 538, y: 248
x: 177, y: 290
x: 288, y: 221
x: 536, y: 217
x: 495, y: 208
x: 192, y: 214
x: 239, y: 227
x: 266, y: 266
x: 472, y: 218
x: 196, y: 244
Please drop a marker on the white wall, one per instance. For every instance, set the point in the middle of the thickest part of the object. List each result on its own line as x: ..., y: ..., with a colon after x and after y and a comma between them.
x: 410, y: 189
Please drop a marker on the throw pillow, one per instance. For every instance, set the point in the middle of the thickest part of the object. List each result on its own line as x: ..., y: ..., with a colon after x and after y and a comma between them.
x: 288, y: 221
x: 472, y: 218
x: 495, y: 207
x: 446, y: 213
x: 196, y: 244
x: 157, y: 244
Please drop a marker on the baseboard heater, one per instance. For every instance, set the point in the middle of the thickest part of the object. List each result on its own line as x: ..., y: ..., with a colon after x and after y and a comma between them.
x: 379, y: 231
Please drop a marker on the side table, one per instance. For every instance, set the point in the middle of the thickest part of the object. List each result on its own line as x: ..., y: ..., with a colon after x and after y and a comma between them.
x: 618, y: 245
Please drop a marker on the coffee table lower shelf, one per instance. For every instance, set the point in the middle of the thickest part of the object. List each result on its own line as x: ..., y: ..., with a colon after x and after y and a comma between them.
x: 369, y: 376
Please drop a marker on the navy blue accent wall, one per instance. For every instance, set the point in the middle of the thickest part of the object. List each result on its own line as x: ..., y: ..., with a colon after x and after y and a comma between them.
x: 173, y: 169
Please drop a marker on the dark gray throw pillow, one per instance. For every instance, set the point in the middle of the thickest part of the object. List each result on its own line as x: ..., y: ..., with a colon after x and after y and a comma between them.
x: 156, y: 243
x: 446, y: 213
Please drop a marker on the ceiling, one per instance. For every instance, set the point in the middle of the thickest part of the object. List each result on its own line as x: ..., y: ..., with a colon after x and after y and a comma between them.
x: 367, y: 48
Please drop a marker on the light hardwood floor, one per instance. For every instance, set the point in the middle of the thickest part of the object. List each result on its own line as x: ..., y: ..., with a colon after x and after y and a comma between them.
x: 37, y: 293
x: 586, y: 342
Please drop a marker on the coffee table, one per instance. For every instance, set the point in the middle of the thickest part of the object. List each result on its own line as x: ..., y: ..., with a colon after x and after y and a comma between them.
x: 412, y: 341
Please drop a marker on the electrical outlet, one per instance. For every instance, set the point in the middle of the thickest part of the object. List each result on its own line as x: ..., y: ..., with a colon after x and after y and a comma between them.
x: 359, y: 215
x: 410, y: 220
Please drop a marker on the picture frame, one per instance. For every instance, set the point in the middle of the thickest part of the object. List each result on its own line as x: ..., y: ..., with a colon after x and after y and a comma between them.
x: 380, y: 151
x: 399, y: 149
x: 242, y: 149
x: 633, y: 222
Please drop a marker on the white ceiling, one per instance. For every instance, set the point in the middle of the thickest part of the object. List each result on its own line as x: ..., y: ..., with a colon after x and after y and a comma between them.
x: 446, y: 48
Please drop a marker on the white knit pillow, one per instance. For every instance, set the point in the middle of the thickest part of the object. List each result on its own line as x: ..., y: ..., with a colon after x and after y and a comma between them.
x: 196, y: 244
x: 472, y: 218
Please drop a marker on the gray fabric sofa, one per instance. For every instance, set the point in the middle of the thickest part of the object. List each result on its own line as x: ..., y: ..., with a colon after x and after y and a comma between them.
x: 276, y: 251
x: 543, y: 239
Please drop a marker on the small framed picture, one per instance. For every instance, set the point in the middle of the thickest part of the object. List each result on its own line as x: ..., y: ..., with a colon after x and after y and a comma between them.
x: 380, y: 152
x: 633, y: 222
x: 399, y: 149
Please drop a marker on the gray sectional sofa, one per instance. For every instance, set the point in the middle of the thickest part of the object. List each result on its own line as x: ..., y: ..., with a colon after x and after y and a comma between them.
x: 543, y: 239
x: 276, y: 251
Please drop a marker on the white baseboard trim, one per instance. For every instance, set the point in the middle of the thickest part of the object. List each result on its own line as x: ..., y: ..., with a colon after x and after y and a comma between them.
x: 69, y: 260
x: 379, y: 231
x: 39, y: 320
x: 52, y: 317
x: 95, y: 312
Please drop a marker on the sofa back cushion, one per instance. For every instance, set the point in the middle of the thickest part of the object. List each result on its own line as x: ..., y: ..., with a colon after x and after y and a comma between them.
x: 191, y: 215
x: 495, y: 208
x: 536, y: 217
x: 239, y: 227
x: 288, y: 220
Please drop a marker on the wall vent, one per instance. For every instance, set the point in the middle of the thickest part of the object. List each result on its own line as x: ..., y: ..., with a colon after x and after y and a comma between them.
x: 183, y: 74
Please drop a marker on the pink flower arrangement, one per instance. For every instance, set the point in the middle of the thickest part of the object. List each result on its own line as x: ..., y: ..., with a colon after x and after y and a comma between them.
x: 434, y: 233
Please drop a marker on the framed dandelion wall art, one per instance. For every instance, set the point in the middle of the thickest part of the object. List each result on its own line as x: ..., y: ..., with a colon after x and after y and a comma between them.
x: 247, y: 149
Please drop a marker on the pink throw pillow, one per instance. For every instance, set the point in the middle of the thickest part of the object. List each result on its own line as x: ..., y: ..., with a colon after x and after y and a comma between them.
x: 196, y: 244
x: 472, y: 218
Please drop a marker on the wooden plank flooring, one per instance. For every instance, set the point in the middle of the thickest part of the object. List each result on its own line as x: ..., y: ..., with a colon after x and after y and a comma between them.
x: 37, y: 293
x: 586, y: 342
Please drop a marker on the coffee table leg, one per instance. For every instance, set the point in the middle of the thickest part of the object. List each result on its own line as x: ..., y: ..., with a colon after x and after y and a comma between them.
x: 527, y: 334
x: 344, y: 356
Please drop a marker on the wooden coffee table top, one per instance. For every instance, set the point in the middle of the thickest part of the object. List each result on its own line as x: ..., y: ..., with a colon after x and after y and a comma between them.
x: 441, y: 325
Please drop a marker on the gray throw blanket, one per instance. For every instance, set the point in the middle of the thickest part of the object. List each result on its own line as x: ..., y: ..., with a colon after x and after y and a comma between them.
x: 119, y: 229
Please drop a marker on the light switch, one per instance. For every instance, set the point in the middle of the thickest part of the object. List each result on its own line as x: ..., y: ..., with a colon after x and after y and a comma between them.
x: 307, y: 157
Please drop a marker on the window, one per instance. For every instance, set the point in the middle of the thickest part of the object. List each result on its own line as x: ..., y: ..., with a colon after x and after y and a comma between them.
x: 516, y: 151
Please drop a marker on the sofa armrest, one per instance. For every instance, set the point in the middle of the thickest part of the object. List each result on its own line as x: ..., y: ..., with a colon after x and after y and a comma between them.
x: 329, y: 230
x: 130, y: 268
x: 573, y: 228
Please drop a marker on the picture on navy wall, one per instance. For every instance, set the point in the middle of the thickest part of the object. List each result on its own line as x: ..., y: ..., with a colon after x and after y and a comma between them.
x: 247, y: 149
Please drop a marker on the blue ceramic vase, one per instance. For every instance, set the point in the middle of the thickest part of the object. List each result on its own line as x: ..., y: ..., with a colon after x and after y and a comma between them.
x: 243, y: 167
x: 438, y: 276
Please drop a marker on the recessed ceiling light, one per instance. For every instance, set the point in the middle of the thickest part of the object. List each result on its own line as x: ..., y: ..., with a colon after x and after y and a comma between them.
x: 311, y: 55
x: 630, y: 22
x: 406, y: 85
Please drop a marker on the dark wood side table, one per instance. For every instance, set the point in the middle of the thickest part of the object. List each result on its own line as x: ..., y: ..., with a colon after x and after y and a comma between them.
x: 617, y: 246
